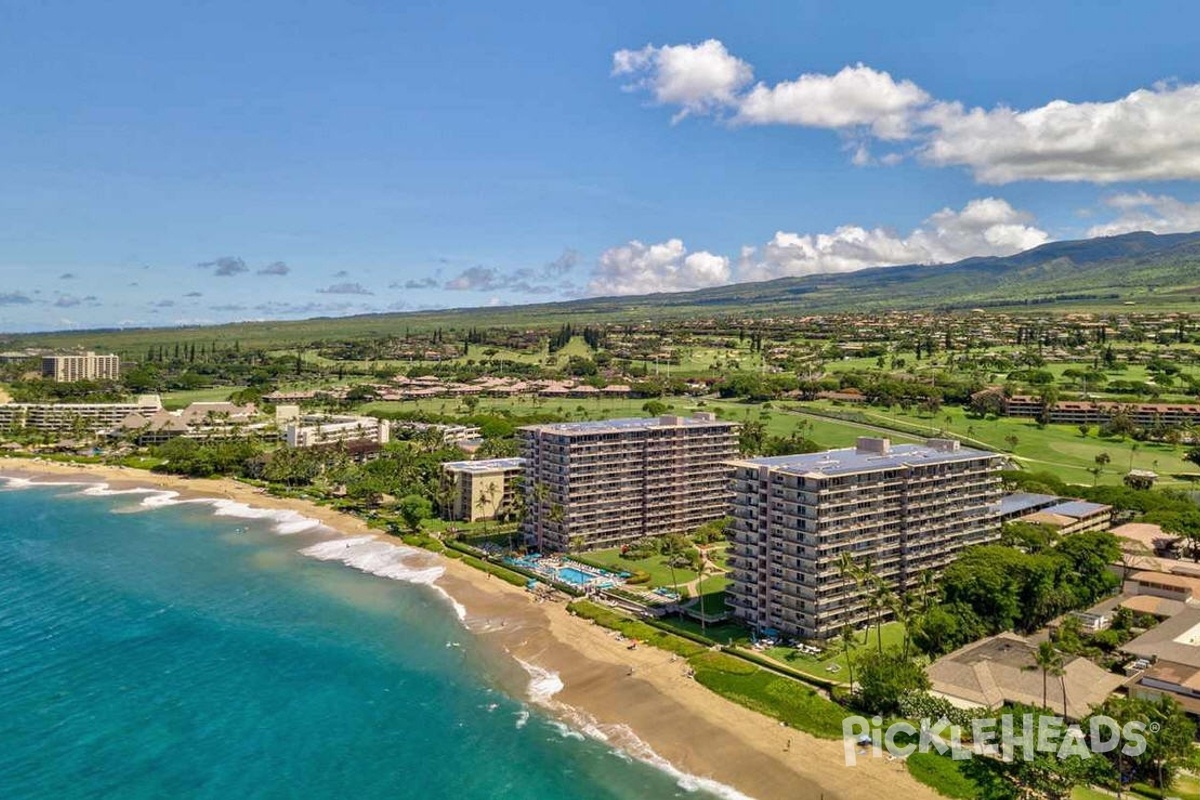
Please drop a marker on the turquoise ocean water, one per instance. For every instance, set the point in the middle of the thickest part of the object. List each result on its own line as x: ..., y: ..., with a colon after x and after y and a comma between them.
x: 168, y: 652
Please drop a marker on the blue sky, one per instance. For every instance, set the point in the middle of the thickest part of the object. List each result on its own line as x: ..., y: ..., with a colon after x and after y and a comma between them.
x: 205, y: 162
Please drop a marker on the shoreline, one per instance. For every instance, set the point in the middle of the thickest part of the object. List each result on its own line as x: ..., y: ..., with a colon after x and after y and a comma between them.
x: 639, y: 701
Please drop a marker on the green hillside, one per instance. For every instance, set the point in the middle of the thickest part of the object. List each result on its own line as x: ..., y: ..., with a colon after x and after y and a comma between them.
x: 1140, y: 268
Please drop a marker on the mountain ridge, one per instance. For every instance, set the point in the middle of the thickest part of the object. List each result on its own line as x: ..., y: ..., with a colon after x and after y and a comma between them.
x: 1141, y: 268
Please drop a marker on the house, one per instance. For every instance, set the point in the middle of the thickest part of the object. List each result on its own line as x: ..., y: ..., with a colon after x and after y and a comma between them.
x: 1003, y: 669
x: 1173, y: 650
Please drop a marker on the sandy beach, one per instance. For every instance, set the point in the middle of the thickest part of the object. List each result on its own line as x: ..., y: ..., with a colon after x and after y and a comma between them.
x: 656, y: 707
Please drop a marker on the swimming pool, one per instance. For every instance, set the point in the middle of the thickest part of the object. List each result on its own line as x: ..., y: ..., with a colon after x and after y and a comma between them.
x: 575, y: 576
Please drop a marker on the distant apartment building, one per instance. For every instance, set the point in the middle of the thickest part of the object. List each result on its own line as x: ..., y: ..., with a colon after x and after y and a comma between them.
x: 366, y: 433
x: 69, y: 417
x: 1080, y: 412
x: 605, y: 483
x: 1065, y: 515
x: 482, y: 489
x: 902, y: 510
x: 203, y: 420
x: 449, y: 434
x: 85, y: 367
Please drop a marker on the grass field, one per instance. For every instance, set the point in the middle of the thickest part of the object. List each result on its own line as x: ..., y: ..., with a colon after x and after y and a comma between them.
x: 182, y: 399
x: 832, y: 663
x: 692, y: 361
x: 1057, y: 448
x: 657, y: 567
x: 949, y: 777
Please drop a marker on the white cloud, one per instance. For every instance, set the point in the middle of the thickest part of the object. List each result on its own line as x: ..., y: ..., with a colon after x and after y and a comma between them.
x: 345, y: 288
x: 984, y: 227
x: 699, y: 78
x: 1139, y: 211
x: 855, y: 96
x: 637, y: 268
x: 1150, y: 134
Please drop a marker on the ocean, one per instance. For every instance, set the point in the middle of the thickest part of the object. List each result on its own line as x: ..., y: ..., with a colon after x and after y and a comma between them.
x: 156, y: 649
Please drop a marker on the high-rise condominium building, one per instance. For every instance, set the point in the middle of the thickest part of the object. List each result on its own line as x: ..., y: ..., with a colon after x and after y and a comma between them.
x: 85, y: 367
x: 606, y: 483
x: 897, y: 511
x: 481, y: 489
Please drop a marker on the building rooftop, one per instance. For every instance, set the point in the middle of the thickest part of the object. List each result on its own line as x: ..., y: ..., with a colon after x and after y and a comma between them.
x: 485, y: 465
x: 1025, y: 501
x: 1176, y: 639
x: 877, y: 454
x: 629, y: 424
x: 1078, y: 509
x: 1003, y: 668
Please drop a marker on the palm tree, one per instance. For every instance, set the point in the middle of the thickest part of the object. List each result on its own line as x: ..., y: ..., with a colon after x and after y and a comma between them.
x: 881, y: 599
x: 928, y: 589
x: 1061, y: 671
x: 557, y: 515
x: 1049, y: 661
x: 903, y: 608
x: 847, y: 638
x: 481, y: 506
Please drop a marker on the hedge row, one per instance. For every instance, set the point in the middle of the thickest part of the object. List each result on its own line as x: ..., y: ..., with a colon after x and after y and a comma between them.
x: 471, y: 552
x: 774, y: 666
x: 635, y: 629
x: 494, y: 569
x: 796, y: 704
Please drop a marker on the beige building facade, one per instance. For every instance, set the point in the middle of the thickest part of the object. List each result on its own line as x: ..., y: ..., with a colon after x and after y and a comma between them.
x: 899, y: 511
x: 600, y: 484
x: 482, y: 490
x: 84, y: 367
x: 66, y: 417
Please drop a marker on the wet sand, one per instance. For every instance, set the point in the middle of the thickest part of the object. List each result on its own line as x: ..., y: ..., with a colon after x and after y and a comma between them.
x: 655, y: 707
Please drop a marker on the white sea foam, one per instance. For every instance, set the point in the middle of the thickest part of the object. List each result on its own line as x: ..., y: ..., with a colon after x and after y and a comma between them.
x: 460, y: 610
x: 543, y: 683
x: 522, y: 718
x: 377, y: 557
x: 572, y: 723
x: 285, y: 521
x: 629, y: 742
x: 566, y: 731
x: 103, y: 490
x: 30, y: 483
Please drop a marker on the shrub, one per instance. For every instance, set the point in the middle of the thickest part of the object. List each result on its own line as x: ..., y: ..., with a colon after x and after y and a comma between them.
x: 943, y: 774
x: 635, y: 629
x: 784, y: 699
x: 495, y: 569
x: 639, y: 576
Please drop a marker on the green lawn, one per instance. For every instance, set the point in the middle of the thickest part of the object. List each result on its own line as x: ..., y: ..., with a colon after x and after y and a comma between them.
x: 182, y: 399
x: 1185, y: 787
x: 571, y: 408
x: 820, y: 665
x: 777, y: 420
x: 1057, y: 448
x: 712, y: 594
x: 947, y: 776
x: 660, y: 572
x: 785, y: 699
